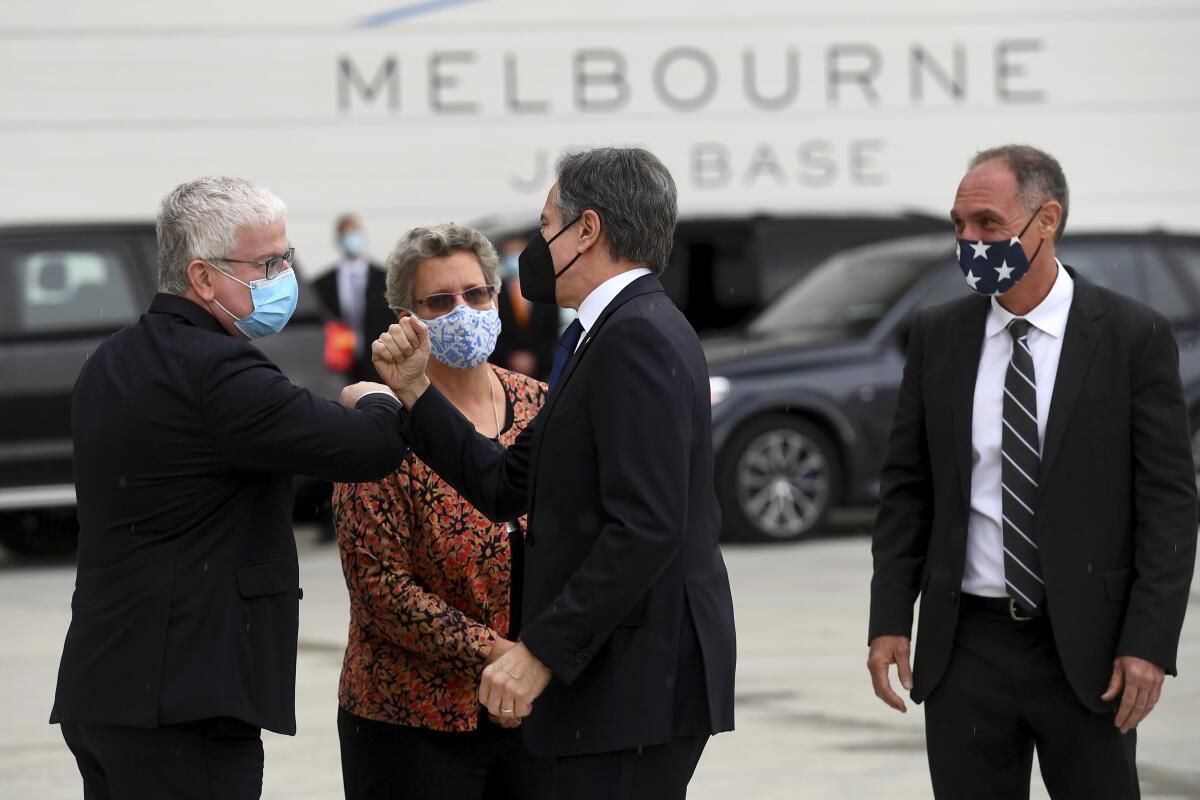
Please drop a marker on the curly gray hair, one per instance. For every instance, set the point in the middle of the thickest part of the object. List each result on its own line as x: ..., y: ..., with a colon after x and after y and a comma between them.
x: 435, y: 241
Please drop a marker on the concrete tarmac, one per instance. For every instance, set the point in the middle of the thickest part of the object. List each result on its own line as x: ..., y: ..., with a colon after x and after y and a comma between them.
x: 809, y: 725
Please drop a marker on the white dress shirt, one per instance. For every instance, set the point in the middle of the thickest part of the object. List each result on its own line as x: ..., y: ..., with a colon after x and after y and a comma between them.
x: 984, y: 571
x: 352, y: 296
x: 600, y: 298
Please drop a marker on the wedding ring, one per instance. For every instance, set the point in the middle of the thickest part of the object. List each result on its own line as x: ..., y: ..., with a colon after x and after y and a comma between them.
x: 507, y: 710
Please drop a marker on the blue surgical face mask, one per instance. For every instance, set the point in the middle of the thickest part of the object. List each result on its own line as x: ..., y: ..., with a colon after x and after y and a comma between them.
x: 465, y: 337
x: 994, y: 267
x: 510, y: 266
x: 352, y: 243
x: 274, y: 303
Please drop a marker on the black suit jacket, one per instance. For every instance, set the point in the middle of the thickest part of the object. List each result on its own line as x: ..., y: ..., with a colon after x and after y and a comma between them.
x: 616, y: 474
x: 1116, y: 507
x: 187, y: 595
x: 376, y: 317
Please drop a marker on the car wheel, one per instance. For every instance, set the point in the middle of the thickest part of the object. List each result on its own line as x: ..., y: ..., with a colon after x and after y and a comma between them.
x: 780, y: 475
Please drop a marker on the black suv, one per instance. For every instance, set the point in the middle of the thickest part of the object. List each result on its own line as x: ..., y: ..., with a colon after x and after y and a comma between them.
x: 63, y: 290
x: 803, y: 398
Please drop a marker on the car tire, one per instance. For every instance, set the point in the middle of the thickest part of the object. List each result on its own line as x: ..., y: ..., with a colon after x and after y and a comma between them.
x: 778, y: 477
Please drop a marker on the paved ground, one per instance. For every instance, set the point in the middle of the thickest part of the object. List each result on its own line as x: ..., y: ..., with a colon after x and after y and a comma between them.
x: 808, y: 725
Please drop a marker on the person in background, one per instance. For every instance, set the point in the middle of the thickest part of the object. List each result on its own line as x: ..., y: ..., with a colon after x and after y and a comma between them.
x: 182, y: 643
x: 352, y: 293
x: 434, y: 585
x: 530, y: 330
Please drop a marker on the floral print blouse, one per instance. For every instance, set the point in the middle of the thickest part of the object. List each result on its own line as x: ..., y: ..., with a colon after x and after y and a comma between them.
x: 429, y: 579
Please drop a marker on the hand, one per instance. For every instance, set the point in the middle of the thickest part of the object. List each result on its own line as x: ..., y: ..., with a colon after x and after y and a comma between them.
x: 509, y: 721
x: 512, y: 682
x: 500, y: 646
x: 885, y: 651
x: 1142, y: 681
x: 400, y: 355
x: 355, y: 391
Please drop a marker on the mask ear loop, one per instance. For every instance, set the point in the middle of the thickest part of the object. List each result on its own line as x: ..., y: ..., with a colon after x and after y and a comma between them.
x: 561, y: 231
x: 1041, y: 241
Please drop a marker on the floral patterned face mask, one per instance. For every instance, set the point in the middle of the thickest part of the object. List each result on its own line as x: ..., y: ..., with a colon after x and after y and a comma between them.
x: 465, y: 337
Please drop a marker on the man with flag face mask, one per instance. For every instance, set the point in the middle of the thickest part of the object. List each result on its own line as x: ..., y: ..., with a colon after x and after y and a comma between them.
x: 1039, y: 495
x: 434, y: 585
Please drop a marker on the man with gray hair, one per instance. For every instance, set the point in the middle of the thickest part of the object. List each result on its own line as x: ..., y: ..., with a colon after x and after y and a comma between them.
x: 627, y: 637
x: 182, y: 644
x: 1039, y: 495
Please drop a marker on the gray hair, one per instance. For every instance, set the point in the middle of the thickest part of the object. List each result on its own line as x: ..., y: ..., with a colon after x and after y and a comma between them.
x: 435, y: 241
x: 200, y: 219
x: 1039, y: 177
x: 634, y: 195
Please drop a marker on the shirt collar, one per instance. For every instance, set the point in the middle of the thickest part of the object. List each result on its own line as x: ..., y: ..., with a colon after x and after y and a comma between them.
x: 193, y: 312
x: 1050, y: 316
x: 354, y: 263
x: 595, y: 303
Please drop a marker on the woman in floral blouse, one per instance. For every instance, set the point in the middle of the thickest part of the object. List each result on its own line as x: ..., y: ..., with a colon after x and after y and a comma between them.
x: 434, y: 585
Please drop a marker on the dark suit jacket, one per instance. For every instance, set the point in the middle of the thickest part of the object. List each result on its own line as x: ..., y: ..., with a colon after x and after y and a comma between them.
x: 616, y: 473
x: 376, y: 317
x: 539, y: 335
x: 1116, y: 508
x: 187, y: 595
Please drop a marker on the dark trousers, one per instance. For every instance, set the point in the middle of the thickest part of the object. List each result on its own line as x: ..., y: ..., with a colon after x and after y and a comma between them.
x: 381, y: 761
x: 192, y: 761
x: 660, y: 772
x: 1003, y: 694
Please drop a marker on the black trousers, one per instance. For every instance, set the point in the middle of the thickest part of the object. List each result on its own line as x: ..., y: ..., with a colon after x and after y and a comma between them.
x: 1004, y: 693
x: 381, y: 761
x: 192, y: 761
x: 661, y: 772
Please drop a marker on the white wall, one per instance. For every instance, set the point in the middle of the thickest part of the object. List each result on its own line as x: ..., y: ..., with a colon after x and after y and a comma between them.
x: 105, y: 106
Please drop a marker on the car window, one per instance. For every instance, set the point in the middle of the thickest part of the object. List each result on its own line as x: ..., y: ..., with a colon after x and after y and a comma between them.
x: 1187, y: 257
x: 1113, y: 265
x: 1165, y: 292
x: 67, y: 288
x: 851, y: 292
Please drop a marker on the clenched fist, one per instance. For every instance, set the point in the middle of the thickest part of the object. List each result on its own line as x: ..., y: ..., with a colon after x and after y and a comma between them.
x: 400, y: 355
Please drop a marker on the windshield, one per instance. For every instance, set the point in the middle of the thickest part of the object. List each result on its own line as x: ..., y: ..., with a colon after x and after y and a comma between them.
x: 848, y: 293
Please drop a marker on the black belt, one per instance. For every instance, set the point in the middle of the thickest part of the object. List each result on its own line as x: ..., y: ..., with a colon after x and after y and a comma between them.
x: 1001, y: 605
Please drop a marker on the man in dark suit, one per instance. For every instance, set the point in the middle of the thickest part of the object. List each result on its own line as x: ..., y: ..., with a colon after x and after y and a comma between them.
x: 1038, y: 494
x: 627, y: 641
x: 352, y: 293
x: 528, y: 330
x: 182, y: 643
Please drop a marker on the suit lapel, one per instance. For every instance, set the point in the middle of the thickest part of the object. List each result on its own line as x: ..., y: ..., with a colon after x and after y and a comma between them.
x: 968, y: 343
x: 1079, y: 343
x: 643, y: 285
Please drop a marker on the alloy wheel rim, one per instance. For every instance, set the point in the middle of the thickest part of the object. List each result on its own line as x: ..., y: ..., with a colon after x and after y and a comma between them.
x: 783, y: 483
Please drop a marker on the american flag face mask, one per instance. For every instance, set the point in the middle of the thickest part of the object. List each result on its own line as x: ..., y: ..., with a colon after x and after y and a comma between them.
x: 995, y: 267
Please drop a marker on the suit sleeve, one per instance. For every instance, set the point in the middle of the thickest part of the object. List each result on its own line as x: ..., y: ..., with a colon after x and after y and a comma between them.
x: 493, y: 478
x: 901, y: 538
x: 641, y: 418
x: 263, y: 421
x: 377, y: 533
x: 1164, y: 497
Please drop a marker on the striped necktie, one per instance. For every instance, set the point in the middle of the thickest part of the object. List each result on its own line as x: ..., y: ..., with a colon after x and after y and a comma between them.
x: 1021, y: 452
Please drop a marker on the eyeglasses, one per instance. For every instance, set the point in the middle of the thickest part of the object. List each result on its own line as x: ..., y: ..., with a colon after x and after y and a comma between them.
x: 272, y: 267
x: 443, y: 303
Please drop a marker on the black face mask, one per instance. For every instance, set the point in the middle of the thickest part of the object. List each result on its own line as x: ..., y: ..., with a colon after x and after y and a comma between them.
x: 538, y: 276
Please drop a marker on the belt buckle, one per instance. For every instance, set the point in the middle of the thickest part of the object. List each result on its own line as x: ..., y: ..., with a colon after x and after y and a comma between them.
x: 1016, y: 613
